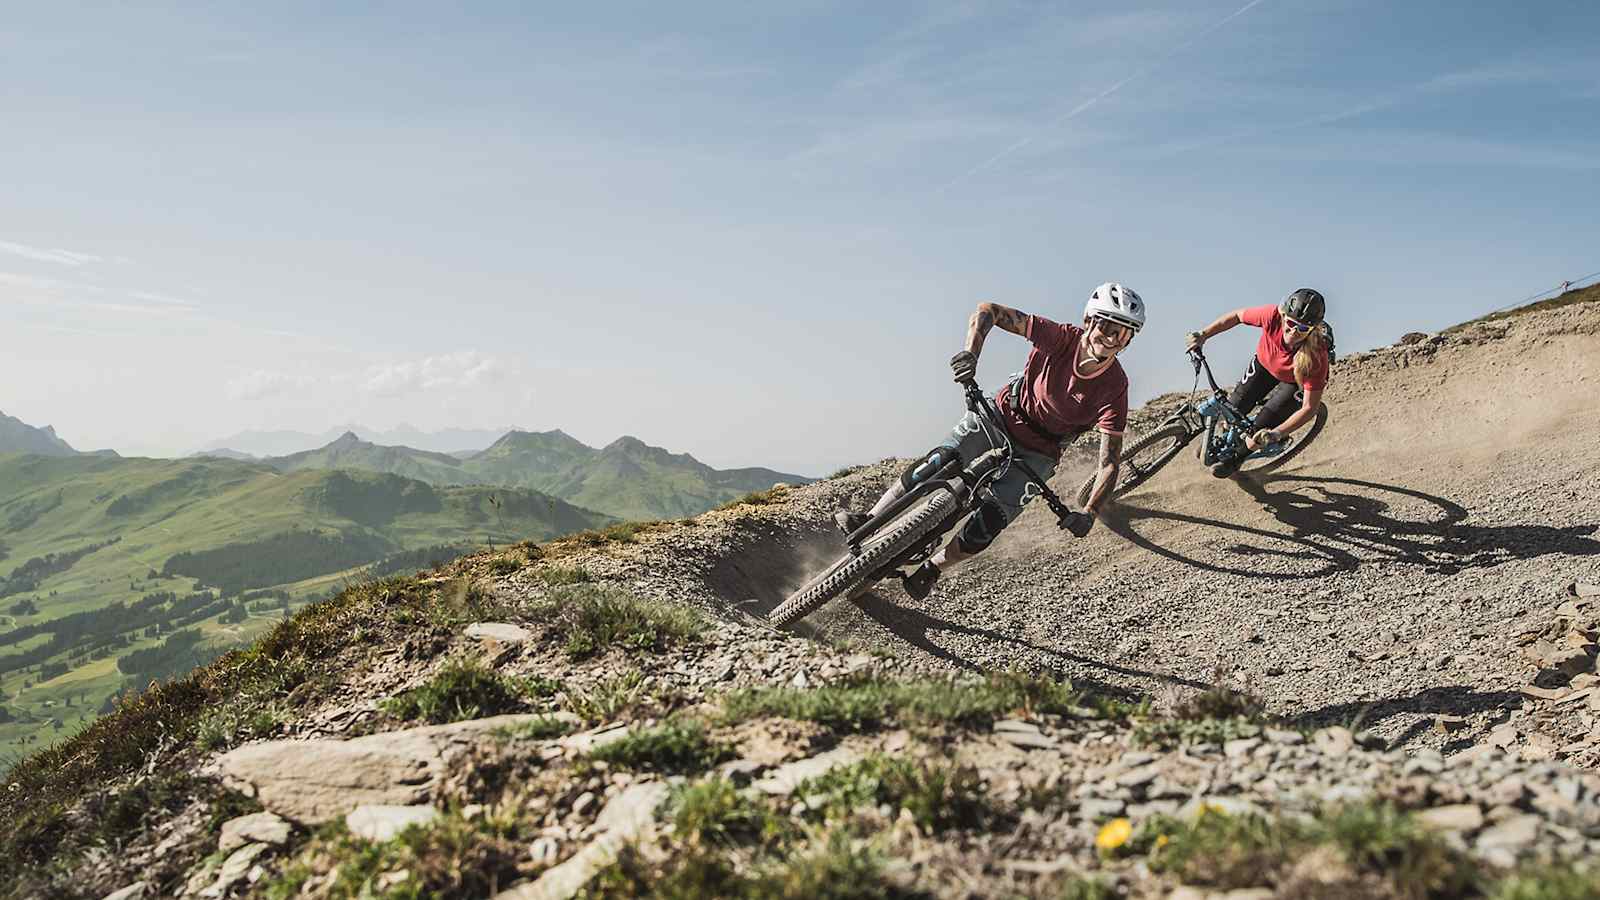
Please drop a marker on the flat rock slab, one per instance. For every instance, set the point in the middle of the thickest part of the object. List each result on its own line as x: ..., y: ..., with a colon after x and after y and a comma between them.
x: 499, y: 631
x: 317, y: 781
x: 627, y: 816
x: 786, y: 778
x: 1027, y: 740
x: 135, y: 891
x: 234, y: 869
x: 384, y: 823
x: 258, y: 828
x: 1465, y: 817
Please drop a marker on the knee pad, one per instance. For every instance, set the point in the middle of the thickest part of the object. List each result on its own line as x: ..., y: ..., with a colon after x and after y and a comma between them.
x: 981, y: 530
x: 927, y: 466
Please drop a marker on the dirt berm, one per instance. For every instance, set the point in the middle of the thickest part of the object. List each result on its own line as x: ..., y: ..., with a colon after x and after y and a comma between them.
x: 1370, y: 674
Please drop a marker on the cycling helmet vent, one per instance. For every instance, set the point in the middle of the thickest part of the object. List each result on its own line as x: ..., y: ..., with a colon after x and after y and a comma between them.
x: 1116, y: 303
x: 1304, y: 305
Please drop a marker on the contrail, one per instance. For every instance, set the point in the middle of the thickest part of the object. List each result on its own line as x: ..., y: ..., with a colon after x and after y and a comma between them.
x: 1085, y: 105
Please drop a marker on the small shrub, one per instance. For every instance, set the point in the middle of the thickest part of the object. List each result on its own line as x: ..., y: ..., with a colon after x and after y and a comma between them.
x: 453, y: 857
x: 504, y: 565
x: 1549, y: 883
x: 608, y: 698
x: 1176, y: 732
x: 938, y: 797
x: 228, y: 724
x: 463, y: 689
x: 1082, y: 888
x: 842, y: 472
x: 715, y: 812
x: 622, y: 533
x: 560, y: 576
x: 595, y: 619
x: 758, y: 498
x: 675, y: 746
x: 832, y: 869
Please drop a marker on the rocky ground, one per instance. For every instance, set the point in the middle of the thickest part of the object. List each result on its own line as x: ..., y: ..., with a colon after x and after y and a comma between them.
x: 1372, y: 674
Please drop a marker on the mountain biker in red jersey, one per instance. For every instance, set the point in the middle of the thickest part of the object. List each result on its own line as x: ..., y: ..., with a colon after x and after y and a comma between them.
x: 1072, y: 383
x: 1290, y: 367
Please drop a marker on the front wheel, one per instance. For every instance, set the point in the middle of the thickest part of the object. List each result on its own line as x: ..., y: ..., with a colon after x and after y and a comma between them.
x: 1142, y: 460
x: 1268, y: 463
x: 851, y: 572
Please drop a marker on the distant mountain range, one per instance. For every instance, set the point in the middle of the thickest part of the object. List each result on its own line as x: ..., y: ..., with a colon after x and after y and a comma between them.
x: 258, y: 444
x: 626, y: 478
x: 17, y: 436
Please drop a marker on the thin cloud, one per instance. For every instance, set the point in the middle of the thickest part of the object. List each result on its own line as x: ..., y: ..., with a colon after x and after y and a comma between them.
x: 453, y: 370
x: 55, y: 255
x: 1090, y: 103
x: 258, y: 383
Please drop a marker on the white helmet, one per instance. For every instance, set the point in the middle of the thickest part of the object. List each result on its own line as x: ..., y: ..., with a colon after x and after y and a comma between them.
x: 1116, y: 303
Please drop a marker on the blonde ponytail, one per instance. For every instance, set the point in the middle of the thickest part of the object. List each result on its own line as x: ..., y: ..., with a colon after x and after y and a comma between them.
x: 1309, y: 357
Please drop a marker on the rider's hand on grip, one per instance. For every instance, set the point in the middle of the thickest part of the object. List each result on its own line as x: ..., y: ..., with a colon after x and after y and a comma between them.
x: 1265, y: 438
x: 1078, y: 523
x: 1193, y: 341
x: 964, y: 365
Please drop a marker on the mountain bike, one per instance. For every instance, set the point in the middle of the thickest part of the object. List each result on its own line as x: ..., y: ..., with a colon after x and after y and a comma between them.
x: 944, y: 489
x: 1225, y: 428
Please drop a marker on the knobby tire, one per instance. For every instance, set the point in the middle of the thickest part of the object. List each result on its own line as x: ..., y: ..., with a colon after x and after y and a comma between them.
x: 850, y: 571
x: 1131, y: 477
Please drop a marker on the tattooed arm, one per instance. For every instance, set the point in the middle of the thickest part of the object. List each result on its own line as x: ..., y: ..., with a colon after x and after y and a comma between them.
x: 989, y: 315
x: 1106, y: 479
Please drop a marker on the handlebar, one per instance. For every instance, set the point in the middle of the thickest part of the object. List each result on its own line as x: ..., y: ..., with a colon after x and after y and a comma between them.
x: 980, y: 405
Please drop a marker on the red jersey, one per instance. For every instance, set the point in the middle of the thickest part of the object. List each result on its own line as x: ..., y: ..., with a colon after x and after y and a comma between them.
x: 1056, y: 397
x: 1273, y: 352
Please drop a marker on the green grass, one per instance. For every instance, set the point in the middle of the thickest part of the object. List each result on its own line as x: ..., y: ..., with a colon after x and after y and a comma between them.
x: 461, y: 690
x: 758, y: 498
x: 832, y: 867
x: 676, y: 746
x: 608, y: 698
x: 871, y: 703
x: 558, y: 576
x: 622, y: 533
x: 1228, y: 852
x: 596, y: 618
x: 843, y: 471
x: 715, y: 812
x: 1539, y: 882
x: 939, y: 797
x: 453, y: 857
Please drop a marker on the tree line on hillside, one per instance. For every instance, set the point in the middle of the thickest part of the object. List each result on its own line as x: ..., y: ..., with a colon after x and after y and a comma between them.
x: 101, y: 630
x: 416, y: 560
x: 279, y: 559
x: 27, y: 576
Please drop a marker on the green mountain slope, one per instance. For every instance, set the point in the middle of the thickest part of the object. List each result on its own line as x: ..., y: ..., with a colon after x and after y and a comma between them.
x: 627, y: 478
x: 222, y: 546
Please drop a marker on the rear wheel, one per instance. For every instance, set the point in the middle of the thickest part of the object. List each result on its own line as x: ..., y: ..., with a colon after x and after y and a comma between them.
x: 1297, y: 443
x: 1142, y: 460
x: 851, y: 573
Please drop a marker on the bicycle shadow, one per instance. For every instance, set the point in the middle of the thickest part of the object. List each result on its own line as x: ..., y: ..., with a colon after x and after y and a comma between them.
x: 1458, y: 700
x: 1346, y: 522
x: 915, y: 627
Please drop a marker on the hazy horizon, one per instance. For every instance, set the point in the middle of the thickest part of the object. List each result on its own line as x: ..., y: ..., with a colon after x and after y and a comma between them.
x: 750, y: 234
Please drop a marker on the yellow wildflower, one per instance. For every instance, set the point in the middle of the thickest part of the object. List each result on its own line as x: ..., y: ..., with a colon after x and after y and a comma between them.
x: 1114, y: 834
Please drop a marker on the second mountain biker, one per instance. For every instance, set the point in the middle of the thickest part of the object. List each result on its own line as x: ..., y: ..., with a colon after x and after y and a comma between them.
x: 1071, y: 383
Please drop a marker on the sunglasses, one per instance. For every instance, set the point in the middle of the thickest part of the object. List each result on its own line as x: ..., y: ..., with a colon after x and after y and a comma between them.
x: 1114, y: 330
x: 1297, y: 327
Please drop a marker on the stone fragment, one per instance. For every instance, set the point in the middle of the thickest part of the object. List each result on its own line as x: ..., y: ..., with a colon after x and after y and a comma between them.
x: 503, y: 632
x: 1237, y: 749
x: 317, y: 781
x: 1447, y: 724
x: 1580, y: 589
x: 1335, y: 741
x: 135, y: 891
x: 1097, y: 808
x: 381, y: 823
x: 234, y: 869
x: 1016, y: 725
x: 1562, y: 665
x: 261, y: 828
x: 1538, y: 693
x: 623, y: 820
x: 1139, y: 777
x: 1465, y: 817
x: 1515, y: 834
x: 783, y: 780
x: 1283, y: 737
x: 1027, y: 740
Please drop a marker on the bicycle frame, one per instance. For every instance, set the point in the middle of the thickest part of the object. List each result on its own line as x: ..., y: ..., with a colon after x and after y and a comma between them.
x: 1217, y: 414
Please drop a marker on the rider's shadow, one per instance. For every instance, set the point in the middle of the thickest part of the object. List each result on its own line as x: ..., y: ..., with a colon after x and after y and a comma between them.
x: 1339, y: 523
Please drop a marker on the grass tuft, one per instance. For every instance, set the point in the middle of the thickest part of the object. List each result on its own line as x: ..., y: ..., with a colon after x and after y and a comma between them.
x: 596, y: 618
x: 939, y: 797
x: 714, y: 812
x: 676, y: 746
x: 461, y: 690
x: 621, y: 533
x: 543, y: 728
x: 454, y: 857
x: 758, y: 498
x: 609, y: 697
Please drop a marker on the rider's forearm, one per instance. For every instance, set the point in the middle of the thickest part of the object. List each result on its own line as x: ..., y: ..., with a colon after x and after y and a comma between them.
x: 1106, y: 478
x: 1220, y: 325
x: 978, y: 327
x: 1301, y: 416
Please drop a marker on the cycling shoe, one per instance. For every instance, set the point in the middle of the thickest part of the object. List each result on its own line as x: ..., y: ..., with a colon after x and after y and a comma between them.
x: 1227, y: 467
x: 920, y: 582
x: 848, y: 521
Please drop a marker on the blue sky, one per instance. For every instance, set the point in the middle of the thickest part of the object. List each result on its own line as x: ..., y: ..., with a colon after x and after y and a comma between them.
x: 753, y: 234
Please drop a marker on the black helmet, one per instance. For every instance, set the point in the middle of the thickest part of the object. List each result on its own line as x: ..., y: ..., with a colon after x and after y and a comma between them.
x: 1304, y: 305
